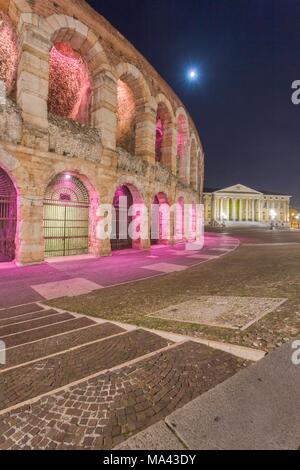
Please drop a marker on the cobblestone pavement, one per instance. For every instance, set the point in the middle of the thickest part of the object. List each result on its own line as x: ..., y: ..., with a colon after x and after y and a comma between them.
x: 26, y: 317
x: 33, y: 324
x: 23, y: 383
x: 102, y: 412
x: 31, y: 351
x: 44, y: 332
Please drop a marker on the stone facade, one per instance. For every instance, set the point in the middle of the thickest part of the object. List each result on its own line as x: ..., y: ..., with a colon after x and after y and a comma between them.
x: 240, y: 205
x: 36, y: 146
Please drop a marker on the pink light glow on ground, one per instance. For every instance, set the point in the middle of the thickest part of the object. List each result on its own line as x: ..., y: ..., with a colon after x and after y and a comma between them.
x: 70, y: 84
x: 8, y: 52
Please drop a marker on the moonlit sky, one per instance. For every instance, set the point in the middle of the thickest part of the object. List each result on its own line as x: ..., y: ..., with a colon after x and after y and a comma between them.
x: 248, y: 54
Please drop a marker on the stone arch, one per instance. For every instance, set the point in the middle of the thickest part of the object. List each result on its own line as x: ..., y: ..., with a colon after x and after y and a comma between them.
x: 128, y: 214
x: 72, y: 196
x: 194, y: 164
x: 133, y: 99
x: 74, y: 59
x: 160, y: 219
x: 164, y: 149
x: 183, y: 145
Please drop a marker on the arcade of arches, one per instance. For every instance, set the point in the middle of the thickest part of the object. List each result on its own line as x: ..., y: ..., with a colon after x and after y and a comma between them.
x: 98, y: 118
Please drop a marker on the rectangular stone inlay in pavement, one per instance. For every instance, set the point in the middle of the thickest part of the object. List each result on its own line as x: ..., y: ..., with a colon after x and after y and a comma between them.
x: 224, y: 312
x: 165, y: 267
x: 68, y: 288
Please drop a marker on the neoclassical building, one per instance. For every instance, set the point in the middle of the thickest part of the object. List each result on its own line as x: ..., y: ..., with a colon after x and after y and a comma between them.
x: 240, y: 205
x: 84, y: 120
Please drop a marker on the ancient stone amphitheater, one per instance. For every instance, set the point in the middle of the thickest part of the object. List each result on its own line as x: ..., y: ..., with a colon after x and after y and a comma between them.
x: 84, y: 119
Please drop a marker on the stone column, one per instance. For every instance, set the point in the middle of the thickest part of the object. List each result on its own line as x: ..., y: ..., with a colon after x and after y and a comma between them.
x: 169, y: 149
x: 214, y: 214
x: 234, y: 210
x: 30, y: 246
x: 104, y: 108
x: 145, y: 134
x: 241, y: 210
x: 253, y: 210
x: 247, y: 210
x: 228, y: 208
x: 32, y: 85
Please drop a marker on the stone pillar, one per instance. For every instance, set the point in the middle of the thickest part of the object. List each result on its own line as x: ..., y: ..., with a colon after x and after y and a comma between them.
x: 32, y: 85
x: 145, y: 132
x: 214, y: 215
x: 247, y: 210
x: 253, y: 210
x: 30, y: 247
x: 241, y: 210
x: 169, y: 149
x: 104, y: 107
x: 228, y: 208
x: 234, y: 210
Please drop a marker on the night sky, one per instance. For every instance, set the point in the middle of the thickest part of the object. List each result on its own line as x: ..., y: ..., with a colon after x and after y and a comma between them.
x: 248, y: 52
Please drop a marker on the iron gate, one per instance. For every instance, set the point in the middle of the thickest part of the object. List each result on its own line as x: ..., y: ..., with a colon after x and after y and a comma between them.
x: 8, y: 217
x: 66, y: 218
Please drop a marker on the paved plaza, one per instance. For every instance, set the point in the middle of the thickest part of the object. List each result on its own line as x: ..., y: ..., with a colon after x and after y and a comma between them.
x: 95, y: 369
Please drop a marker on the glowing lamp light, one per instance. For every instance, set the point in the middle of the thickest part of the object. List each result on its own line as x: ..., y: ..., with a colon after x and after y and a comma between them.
x: 68, y: 177
x: 273, y: 214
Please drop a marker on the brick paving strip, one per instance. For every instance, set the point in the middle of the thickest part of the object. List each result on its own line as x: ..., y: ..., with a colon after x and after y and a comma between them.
x: 26, y: 382
x: 46, y: 331
x: 33, y: 324
x: 26, y: 317
x: 20, y: 310
x: 103, y: 411
x: 45, y: 347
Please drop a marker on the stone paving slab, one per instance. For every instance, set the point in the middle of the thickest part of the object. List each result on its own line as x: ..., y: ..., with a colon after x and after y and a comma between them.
x: 102, y: 412
x: 257, y: 409
x: 46, y: 331
x: 65, y: 288
x: 27, y: 317
x: 21, y: 310
x: 156, y: 437
x: 224, y: 312
x: 26, y: 382
x: 32, y: 324
x: 46, y: 347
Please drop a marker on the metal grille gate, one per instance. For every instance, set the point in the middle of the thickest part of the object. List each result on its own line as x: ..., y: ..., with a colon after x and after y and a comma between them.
x: 66, y: 218
x: 8, y: 217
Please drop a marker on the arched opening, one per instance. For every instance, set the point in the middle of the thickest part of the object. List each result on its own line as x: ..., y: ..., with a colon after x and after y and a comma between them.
x: 8, y: 54
x: 194, y: 166
x: 126, y: 115
x: 163, y: 141
x: 182, y: 147
x: 160, y: 220
x: 127, y: 218
x: 70, y: 84
x: 8, y: 217
x: 180, y: 220
x: 66, y: 217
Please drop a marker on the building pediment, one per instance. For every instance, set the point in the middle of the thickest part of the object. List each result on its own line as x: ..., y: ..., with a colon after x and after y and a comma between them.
x: 239, y: 189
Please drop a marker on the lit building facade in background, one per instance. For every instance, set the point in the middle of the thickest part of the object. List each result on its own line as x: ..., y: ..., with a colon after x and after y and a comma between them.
x: 240, y: 205
x: 85, y: 120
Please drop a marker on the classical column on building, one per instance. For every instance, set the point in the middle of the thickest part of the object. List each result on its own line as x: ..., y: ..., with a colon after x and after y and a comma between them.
x: 253, y: 210
x: 241, y: 210
x: 214, y: 206
x: 228, y: 208
x: 234, y: 210
x: 247, y: 210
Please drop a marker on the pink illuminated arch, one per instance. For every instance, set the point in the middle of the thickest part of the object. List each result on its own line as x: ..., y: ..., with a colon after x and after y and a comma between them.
x: 70, y: 84
x: 8, y: 53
